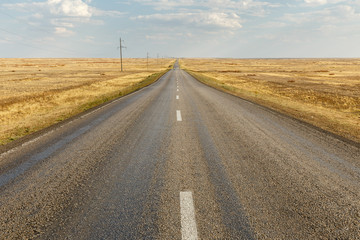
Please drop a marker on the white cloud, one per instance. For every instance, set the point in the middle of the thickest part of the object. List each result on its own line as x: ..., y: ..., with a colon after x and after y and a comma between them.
x: 316, y: 2
x: 38, y: 16
x: 159, y: 37
x: 64, y: 8
x: 108, y: 13
x: 89, y: 39
x: 70, y: 8
x: 5, y: 39
x: 329, y: 15
x: 328, y: 22
x: 168, y: 4
x: 272, y: 25
x: 248, y: 7
x: 55, y: 8
x: 61, y: 15
x: 267, y: 36
x: 26, y: 6
x: 202, y: 19
x: 323, y: 2
x: 64, y: 32
x: 62, y: 23
x: 209, y: 4
x: 347, y: 11
x: 194, y: 26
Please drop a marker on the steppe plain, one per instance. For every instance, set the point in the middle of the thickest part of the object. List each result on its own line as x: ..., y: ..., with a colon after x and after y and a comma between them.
x: 36, y: 93
x: 322, y: 92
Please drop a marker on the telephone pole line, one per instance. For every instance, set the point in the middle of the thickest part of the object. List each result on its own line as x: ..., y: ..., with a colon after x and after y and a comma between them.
x: 121, y: 47
x: 147, y: 61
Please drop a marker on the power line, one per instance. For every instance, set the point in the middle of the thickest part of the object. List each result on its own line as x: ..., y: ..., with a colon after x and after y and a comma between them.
x: 26, y: 22
x: 18, y: 42
x: 26, y: 37
x: 35, y: 47
x: 7, y: 31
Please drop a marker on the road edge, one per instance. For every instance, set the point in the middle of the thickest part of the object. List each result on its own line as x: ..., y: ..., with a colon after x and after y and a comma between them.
x: 276, y: 111
x: 146, y: 82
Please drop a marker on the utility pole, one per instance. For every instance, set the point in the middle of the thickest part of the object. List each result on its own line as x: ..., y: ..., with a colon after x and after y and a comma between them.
x: 121, y: 47
x: 147, y: 61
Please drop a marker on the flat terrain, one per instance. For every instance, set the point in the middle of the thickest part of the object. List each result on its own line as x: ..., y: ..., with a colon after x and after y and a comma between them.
x: 323, y: 92
x: 35, y: 93
x: 180, y: 159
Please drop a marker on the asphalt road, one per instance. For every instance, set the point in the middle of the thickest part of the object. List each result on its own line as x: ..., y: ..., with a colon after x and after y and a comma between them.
x: 180, y: 160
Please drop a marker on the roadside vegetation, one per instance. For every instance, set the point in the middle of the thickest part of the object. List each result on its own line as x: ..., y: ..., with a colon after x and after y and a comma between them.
x: 36, y: 93
x: 322, y: 92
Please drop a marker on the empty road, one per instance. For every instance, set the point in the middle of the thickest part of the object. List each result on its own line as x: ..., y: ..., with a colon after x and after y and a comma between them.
x: 181, y: 160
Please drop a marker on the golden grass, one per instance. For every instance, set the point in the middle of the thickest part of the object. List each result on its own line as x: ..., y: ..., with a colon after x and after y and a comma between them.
x: 323, y: 92
x: 36, y: 93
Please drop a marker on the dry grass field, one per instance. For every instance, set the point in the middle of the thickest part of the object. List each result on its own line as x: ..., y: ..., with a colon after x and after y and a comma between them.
x: 36, y: 93
x: 323, y: 92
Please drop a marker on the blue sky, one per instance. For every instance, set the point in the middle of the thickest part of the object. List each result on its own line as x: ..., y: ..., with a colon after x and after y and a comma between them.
x: 180, y: 28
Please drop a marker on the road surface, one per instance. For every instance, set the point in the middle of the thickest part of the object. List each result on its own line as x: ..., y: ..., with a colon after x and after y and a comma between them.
x: 181, y: 160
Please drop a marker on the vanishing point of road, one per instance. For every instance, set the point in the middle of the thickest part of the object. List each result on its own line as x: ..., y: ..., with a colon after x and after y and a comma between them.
x: 181, y: 160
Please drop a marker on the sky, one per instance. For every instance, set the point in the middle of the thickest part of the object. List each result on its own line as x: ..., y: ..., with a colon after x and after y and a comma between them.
x: 180, y: 28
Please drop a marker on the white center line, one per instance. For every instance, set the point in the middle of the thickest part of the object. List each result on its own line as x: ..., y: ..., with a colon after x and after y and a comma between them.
x: 178, y: 116
x: 177, y: 97
x: 177, y: 90
x: 187, y: 211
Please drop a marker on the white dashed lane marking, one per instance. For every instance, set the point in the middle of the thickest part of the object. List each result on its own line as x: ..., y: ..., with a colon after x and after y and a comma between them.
x: 178, y: 116
x: 187, y: 211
